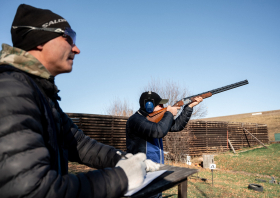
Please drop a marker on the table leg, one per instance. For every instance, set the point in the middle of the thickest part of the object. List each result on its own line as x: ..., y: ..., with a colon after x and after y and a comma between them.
x: 183, y: 189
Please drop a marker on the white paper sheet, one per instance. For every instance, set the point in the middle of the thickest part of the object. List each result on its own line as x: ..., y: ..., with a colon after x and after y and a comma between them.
x: 148, y: 179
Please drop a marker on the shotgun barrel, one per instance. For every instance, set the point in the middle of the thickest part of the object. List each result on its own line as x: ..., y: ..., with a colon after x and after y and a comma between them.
x: 156, y: 116
x: 221, y: 89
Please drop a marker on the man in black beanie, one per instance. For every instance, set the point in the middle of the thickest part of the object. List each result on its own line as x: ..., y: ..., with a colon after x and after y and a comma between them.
x: 36, y: 137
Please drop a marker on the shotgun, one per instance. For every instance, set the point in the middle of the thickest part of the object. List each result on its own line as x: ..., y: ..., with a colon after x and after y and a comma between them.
x: 157, y: 115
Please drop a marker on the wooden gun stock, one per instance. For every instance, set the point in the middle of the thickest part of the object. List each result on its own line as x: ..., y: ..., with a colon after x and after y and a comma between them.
x: 156, y: 116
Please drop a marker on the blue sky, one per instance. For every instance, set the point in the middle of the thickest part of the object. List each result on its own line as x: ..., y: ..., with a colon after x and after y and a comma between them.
x: 201, y: 45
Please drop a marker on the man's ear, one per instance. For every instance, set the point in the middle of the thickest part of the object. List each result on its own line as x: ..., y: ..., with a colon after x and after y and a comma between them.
x: 40, y: 47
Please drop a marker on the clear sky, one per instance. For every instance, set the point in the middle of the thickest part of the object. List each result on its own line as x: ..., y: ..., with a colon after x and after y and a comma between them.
x: 200, y: 44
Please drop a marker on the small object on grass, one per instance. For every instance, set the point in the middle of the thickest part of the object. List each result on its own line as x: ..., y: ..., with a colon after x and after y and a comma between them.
x: 197, y: 177
x: 255, y: 187
x: 261, y: 180
x: 203, y: 179
x: 272, y: 180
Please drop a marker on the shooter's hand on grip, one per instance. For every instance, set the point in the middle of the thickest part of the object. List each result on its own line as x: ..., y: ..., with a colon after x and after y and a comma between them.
x: 196, y: 102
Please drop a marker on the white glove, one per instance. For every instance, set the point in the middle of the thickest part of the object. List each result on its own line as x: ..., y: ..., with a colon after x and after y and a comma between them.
x: 135, y: 169
x: 126, y: 156
x: 151, y: 166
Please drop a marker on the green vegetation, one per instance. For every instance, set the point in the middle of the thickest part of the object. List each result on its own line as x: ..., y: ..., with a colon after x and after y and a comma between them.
x: 260, y: 160
x: 225, y: 185
x: 259, y: 163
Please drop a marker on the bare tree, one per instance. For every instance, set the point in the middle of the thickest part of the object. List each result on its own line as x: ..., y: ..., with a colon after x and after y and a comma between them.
x: 167, y: 89
x: 174, y: 92
x: 119, y: 108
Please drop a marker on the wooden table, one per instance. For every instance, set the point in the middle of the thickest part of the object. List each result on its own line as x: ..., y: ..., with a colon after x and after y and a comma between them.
x: 172, y: 177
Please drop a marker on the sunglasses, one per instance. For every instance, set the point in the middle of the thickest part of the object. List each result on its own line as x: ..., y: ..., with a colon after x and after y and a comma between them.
x: 67, y: 32
x: 161, y: 105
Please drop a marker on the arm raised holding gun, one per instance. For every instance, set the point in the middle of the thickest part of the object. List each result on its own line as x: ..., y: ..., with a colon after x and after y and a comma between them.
x: 156, y: 116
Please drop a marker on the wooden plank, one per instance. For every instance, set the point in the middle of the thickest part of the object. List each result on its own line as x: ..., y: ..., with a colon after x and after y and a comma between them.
x: 183, y: 189
x: 231, y: 146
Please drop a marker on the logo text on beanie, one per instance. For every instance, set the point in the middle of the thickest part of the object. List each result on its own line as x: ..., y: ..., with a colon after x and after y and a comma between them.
x: 53, y: 22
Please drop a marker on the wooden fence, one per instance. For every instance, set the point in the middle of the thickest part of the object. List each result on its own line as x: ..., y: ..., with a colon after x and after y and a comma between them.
x: 103, y: 128
x: 212, y: 137
x: 197, y: 138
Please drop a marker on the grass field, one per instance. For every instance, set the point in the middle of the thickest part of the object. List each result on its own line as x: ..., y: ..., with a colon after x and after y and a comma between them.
x: 234, y: 173
x: 260, y: 160
x: 226, y: 184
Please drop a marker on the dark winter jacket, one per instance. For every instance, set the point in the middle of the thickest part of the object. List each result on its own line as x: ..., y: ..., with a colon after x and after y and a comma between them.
x: 145, y: 136
x: 37, y: 139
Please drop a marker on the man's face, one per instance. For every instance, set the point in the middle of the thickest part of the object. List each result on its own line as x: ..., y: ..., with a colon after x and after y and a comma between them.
x: 57, y: 55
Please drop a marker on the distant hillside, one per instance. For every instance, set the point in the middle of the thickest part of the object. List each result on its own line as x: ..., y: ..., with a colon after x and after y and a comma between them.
x: 270, y: 118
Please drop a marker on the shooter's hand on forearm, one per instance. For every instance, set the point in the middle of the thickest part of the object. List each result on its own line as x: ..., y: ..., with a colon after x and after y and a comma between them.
x: 173, y: 110
x: 197, y: 101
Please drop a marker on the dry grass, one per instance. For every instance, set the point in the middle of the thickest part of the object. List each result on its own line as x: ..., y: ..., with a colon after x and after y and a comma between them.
x: 233, y: 175
x: 225, y: 184
x: 235, y: 172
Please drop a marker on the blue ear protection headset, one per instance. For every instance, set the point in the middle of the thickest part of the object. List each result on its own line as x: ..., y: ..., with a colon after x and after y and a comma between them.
x: 149, y: 104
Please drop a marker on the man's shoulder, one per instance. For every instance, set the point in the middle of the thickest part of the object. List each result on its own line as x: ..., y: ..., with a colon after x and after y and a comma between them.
x: 137, y: 114
x: 135, y: 118
x: 13, y: 82
x: 8, y: 71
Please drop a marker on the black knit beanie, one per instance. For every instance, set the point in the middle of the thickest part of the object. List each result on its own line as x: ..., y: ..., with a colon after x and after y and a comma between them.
x: 30, y: 16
